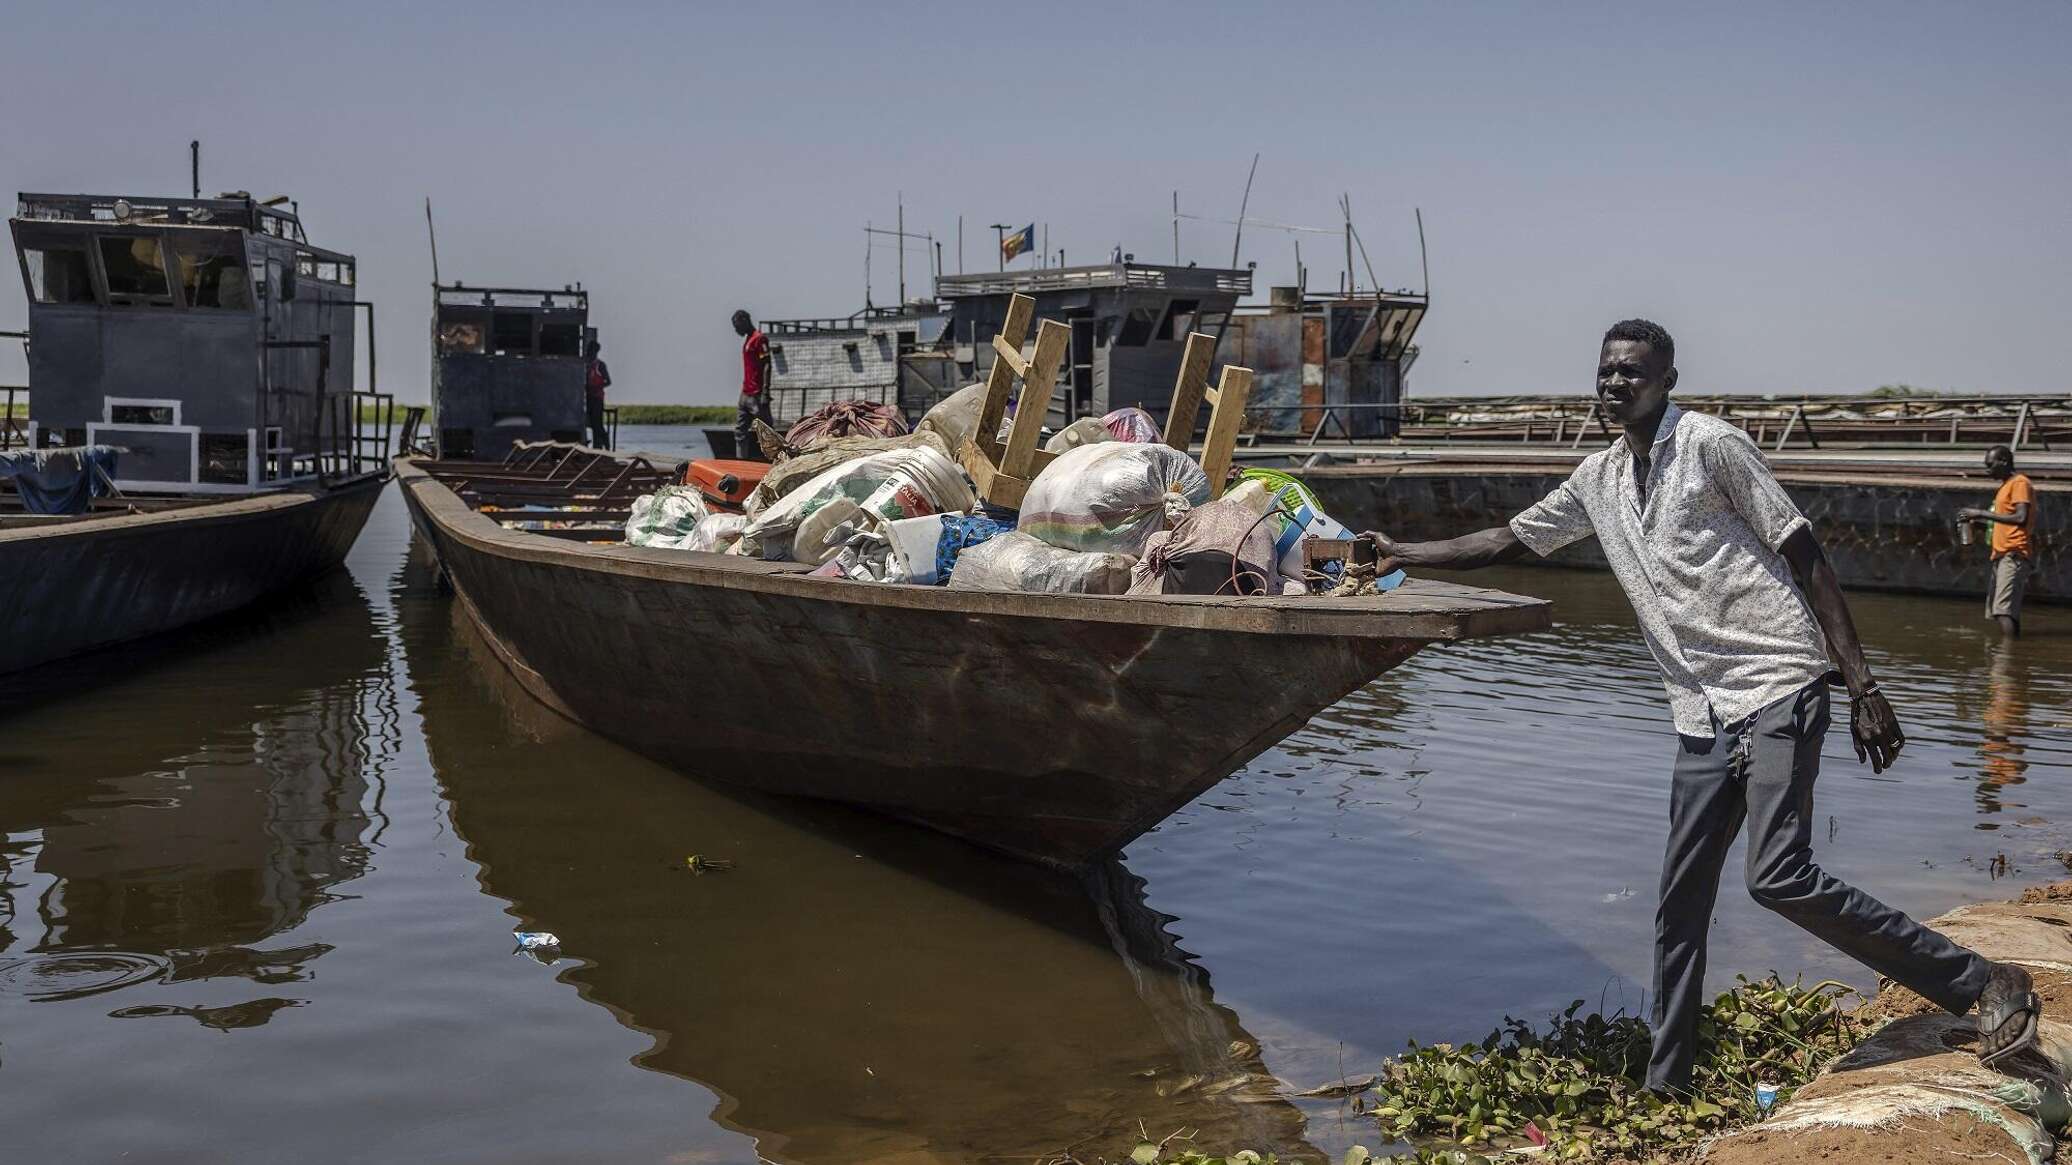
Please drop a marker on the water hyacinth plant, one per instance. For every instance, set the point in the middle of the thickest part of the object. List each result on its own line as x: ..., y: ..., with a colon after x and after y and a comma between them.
x: 1577, y: 1088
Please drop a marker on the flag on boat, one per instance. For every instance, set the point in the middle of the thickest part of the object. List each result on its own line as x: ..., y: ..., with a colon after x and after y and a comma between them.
x: 1018, y: 242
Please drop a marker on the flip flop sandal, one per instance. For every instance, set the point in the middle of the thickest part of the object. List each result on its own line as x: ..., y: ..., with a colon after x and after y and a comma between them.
x: 2027, y: 1007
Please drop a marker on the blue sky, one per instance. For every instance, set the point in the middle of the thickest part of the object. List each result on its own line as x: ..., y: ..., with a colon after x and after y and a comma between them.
x: 1813, y: 198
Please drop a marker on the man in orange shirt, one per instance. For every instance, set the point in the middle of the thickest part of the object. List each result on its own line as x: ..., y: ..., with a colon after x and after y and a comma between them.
x: 2013, y: 516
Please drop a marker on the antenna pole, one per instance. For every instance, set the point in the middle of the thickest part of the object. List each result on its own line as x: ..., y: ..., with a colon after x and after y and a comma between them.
x: 194, y: 164
x: 432, y: 233
x: 1176, y: 228
x: 1345, y: 207
x: 1242, y: 204
x: 900, y: 226
x: 960, y: 244
x: 1423, y: 260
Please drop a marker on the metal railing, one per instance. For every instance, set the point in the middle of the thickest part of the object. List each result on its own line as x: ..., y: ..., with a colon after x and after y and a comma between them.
x: 12, y: 431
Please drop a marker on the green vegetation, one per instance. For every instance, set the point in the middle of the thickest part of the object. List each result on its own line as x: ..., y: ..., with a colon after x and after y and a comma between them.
x: 1579, y: 1085
x: 1895, y: 391
x: 676, y: 414
x: 628, y: 414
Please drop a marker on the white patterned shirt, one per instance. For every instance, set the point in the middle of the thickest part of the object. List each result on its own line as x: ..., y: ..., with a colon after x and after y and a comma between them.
x: 1700, y: 563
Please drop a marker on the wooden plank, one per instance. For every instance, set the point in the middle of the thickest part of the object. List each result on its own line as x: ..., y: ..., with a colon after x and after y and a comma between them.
x: 1002, y: 350
x: 1038, y: 387
x: 1224, y: 420
x: 1000, y: 379
x: 1188, y: 388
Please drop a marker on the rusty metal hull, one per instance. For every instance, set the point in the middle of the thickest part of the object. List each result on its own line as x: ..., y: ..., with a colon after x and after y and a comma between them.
x: 1054, y: 728
x: 74, y: 587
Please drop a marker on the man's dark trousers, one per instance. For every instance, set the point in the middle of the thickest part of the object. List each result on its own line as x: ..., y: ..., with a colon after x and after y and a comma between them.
x: 1761, y: 769
x: 751, y: 408
x: 593, y: 416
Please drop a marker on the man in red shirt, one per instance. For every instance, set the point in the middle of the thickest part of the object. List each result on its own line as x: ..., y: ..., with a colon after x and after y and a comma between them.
x: 755, y: 387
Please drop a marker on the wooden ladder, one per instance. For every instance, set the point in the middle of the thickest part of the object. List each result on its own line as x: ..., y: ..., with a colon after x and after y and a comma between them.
x: 1226, y: 408
x: 1002, y: 473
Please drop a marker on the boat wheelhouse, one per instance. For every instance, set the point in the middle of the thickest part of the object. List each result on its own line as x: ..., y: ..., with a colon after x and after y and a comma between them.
x: 508, y: 366
x: 206, y: 337
x: 1129, y: 324
x: 209, y: 345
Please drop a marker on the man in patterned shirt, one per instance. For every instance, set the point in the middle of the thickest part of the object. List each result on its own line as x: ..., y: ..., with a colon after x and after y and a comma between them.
x: 1747, y: 621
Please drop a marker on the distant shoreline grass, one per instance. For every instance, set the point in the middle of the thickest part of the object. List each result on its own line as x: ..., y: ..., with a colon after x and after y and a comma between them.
x: 628, y: 414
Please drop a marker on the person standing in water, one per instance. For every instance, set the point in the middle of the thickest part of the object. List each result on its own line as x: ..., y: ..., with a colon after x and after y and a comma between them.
x: 754, y: 404
x: 1747, y: 621
x: 2013, y: 517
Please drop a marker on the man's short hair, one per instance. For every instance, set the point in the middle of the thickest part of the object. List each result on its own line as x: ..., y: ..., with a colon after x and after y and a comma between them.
x: 1648, y: 332
x: 742, y: 314
x: 2000, y: 451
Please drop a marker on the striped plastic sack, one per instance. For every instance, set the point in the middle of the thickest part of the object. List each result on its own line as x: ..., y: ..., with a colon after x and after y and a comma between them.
x: 1109, y: 497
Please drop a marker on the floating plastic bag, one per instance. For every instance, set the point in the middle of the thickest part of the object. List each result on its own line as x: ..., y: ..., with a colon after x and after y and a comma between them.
x: 1084, y: 431
x: 812, y: 522
x: 1014, y: 561
x: 1109, y: 497
x: 1133, y: 425
x: 666, y: 519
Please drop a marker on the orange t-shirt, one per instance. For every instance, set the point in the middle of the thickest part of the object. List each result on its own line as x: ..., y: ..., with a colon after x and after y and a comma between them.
x: 2013, y: 539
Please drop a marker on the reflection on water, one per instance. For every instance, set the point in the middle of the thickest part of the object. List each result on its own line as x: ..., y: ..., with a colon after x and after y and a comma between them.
x: 296, y: 849
x: 159, y: 832
x: 851, y: 990
x: 2006, y: 719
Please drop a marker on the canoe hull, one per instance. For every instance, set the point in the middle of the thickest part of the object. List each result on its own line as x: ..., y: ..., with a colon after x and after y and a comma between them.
x: 78, y: 587
x: 1055, y: 739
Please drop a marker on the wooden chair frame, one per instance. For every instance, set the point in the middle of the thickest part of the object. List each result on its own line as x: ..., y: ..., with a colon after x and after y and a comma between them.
x: 1002, y: 473
x: 1226, y: 408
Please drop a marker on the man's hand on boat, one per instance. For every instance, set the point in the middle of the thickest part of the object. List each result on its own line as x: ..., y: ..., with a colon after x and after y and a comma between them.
x: 1467, y: 552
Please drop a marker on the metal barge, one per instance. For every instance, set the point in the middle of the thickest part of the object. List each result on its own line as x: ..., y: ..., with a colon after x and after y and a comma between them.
x: 211, y: 344
x: 1055, y: 728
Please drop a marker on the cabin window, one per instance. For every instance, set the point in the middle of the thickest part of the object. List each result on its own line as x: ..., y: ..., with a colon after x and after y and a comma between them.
x: 345, y: 274
x: 224, y: 458
x: 212, y: 273
x: 1168, y: 327
x: 561, y: 339
x: 59, y: 275
x: 142, y: 415
x: 460, y: 337
x: 510, y: 333
x: 328, y: 272
x: 135, y: 267
x: 1137, y: 327
x: 306, y: 264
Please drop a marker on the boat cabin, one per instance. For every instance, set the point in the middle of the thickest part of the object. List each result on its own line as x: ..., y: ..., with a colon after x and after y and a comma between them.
x: 205, y: 337
x: 1333, y: 365
x: 508, y: 365
x: 887, y: 355
x: 1129, y: 324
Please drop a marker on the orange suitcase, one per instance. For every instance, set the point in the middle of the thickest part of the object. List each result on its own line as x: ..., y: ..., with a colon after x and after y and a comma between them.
x: 725, y: 484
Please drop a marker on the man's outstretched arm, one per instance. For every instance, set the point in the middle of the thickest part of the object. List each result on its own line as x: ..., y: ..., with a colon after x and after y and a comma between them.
x: 1469, y: 551
x: 1873, y: 725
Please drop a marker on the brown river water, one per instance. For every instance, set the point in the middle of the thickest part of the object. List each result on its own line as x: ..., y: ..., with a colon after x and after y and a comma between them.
x: 258, y: 885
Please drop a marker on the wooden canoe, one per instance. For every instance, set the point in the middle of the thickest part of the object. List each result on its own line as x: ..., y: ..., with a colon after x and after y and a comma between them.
x: 69, y: 585
x: 1056, y: 728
